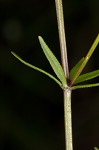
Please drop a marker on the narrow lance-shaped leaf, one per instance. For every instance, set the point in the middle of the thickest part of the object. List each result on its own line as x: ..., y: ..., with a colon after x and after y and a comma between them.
x: 86, y: 59
x: 84, y: 86
x: 38, y: 69
x: 75, y: 68
x: 53, y: 62
x: 87, y: 76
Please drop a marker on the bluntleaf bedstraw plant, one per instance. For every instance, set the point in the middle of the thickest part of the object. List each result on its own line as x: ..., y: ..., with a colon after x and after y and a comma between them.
x: 68, y: 81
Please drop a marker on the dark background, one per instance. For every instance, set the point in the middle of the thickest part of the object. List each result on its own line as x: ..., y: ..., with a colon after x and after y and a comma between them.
x: 31, y: 105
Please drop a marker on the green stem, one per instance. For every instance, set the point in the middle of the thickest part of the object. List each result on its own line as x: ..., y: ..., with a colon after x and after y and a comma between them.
x: 67, y: 91
x: 62, y: 39
x: 68, y: 119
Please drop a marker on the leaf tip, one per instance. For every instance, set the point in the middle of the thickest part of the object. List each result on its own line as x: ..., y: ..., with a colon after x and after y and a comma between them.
x: 40, y: 38
x: 13, y: 53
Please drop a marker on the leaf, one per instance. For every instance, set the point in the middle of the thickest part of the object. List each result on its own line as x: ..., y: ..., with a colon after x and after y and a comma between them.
x: 86, y: 59
x: 95, y: 148
x: 84, y: 86
x: 75, y: 68
x: 53, y: 62
x: 38, y: 69
x: 87, y: 76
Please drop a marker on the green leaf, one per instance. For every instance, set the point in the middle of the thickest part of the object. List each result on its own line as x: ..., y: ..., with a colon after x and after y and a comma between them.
x: 84, y: 86
x: 75, y: 69
x: 38, y: 69
x: 87, y: 76
x: 53, y: 62
x: 86, y: 59
x: 95, y: 148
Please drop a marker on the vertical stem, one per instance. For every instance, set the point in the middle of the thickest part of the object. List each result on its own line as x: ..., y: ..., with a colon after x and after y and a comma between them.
x: 68, y: 119
x: 62, y: 39
x: 67, y: 92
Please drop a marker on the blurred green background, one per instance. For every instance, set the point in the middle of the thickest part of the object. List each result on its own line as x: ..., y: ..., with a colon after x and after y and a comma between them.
x: 31, y: 105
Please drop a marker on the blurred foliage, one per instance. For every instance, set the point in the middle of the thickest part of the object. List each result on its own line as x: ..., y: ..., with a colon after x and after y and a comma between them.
x: 31, y: 106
